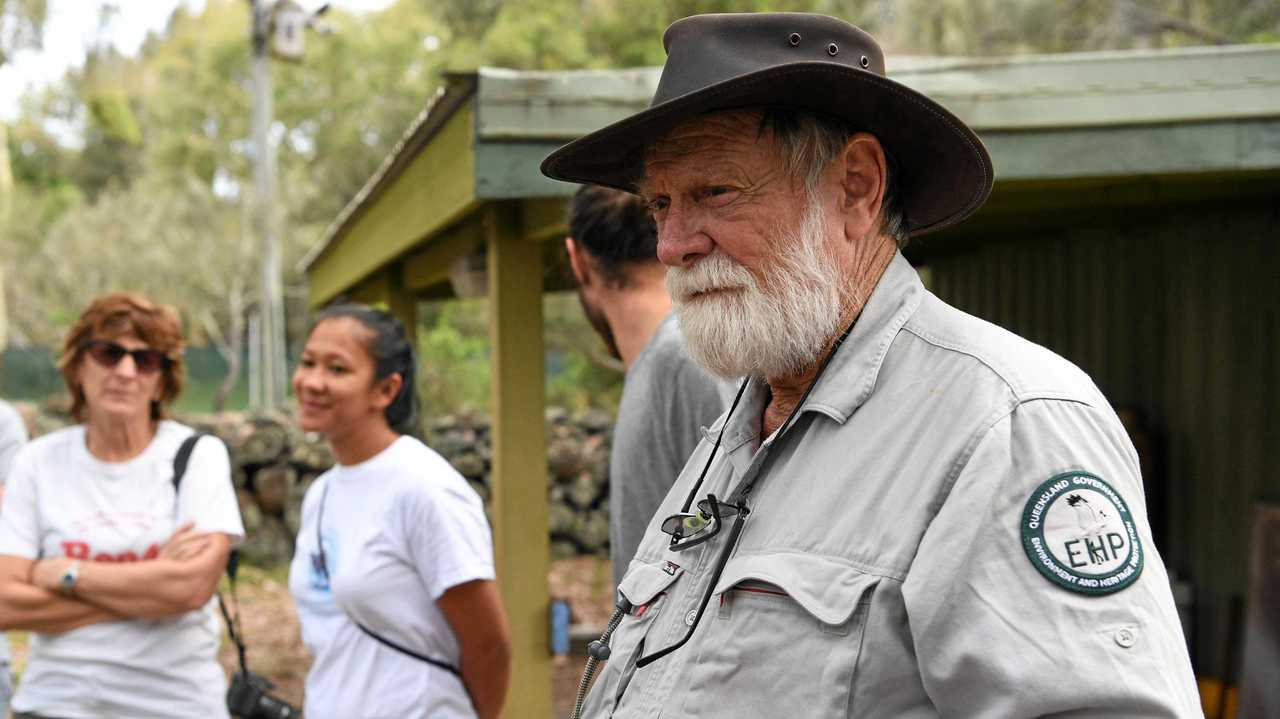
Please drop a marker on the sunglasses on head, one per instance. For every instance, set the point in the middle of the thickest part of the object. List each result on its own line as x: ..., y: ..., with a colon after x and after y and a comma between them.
x: 109, y: 354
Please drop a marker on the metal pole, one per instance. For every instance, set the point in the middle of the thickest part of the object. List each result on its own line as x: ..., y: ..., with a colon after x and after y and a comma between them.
x: 272, y: 362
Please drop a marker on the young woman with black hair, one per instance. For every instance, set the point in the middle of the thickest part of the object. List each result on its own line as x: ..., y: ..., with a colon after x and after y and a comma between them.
x: 393, y: 571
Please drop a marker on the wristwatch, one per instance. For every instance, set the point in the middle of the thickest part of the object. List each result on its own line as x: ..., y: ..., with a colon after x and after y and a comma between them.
x: 68, y: 579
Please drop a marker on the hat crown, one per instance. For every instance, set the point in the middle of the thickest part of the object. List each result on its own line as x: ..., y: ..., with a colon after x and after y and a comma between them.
x: 704, y: 50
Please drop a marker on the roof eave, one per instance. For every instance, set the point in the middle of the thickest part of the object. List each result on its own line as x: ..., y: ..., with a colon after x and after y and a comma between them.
x: 457, y: 89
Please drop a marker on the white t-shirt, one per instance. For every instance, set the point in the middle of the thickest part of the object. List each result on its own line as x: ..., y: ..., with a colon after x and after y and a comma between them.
x: 398, y: 530
x: 61, y: 501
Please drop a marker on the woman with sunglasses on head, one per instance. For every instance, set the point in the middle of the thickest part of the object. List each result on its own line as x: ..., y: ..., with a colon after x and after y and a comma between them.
x: 393, y: 571
x: 108, y: 563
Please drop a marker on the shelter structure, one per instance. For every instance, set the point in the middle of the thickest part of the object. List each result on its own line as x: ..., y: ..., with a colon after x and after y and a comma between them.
x: 1133, y: 229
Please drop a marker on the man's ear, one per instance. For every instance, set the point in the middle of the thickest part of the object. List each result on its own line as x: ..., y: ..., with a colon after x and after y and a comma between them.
x: 864, y: 175
x: 577, y: 262
x: 386, y: 390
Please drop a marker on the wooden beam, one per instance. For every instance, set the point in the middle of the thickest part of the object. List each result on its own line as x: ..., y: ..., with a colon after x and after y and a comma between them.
x: 429, y: 266
x: 521, y: 540
x: 543, y: 219
x: 434, y: 191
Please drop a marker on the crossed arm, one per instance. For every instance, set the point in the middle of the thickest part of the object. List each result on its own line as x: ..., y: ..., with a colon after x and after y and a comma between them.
x: 181, y: 579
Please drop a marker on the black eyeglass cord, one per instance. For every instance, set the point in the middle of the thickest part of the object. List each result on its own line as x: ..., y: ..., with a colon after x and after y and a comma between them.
x: 688, y: 501
x: 740, y: 499
x: 822, y: 368
x: 598, y: 650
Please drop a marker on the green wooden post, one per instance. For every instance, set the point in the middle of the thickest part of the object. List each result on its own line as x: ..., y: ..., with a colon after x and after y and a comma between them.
x: 519, y: 477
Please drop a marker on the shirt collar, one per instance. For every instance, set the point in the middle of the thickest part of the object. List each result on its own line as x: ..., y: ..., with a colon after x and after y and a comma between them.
x: 851, y: 375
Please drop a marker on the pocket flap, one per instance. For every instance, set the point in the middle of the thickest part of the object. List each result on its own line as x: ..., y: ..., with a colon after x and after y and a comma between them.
x: 824, y: 587
x: 645, y: 581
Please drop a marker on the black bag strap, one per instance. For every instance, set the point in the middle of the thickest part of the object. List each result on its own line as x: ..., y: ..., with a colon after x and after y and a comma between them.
x: 183, y: 456
x: 180, y: 461
x: 407, y: 651
x: 324, y: 567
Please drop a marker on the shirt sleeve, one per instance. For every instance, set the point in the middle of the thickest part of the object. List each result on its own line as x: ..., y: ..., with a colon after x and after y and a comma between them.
x: 994, y: 635
x: 206, y: 495
x: 449, y: 541
x: 19, y: 519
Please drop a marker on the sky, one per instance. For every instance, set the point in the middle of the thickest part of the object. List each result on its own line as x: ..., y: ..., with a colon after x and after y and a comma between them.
x: 73, y: 25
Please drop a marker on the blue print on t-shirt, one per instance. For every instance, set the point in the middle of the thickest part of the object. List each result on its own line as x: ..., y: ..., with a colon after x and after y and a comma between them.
x: 323, y: 565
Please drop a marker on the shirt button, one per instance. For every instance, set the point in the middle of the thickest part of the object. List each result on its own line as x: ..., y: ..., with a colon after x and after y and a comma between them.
x: 688, y: 618
x: 1126, y: 638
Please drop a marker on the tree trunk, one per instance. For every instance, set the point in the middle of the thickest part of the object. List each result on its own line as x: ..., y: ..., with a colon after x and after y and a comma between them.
x: 233, y: 348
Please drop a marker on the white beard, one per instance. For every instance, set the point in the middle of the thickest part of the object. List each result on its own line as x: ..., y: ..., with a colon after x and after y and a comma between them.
x: 769, y: 330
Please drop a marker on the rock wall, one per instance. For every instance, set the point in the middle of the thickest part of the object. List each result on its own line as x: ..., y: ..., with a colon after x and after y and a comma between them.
x: 273, y: 464
x: 577, y: 472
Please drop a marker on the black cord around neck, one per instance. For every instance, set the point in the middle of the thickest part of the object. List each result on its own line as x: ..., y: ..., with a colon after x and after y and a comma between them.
x: 795, y: 411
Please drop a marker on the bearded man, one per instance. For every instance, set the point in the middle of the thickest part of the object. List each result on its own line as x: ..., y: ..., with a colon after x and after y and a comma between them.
x: 883, y: 523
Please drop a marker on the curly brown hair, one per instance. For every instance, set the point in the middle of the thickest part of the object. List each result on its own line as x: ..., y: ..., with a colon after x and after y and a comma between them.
x: 117, y: 315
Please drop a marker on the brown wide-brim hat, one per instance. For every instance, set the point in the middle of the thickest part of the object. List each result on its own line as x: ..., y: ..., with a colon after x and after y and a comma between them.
x: 794, y: 60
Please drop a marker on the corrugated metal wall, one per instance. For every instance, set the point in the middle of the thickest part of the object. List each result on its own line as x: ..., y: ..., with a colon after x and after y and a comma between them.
x: 1174, y: 312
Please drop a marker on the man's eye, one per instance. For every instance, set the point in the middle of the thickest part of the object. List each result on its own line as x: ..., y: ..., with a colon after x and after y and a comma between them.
x: 658, y: 205
x: 719, y: 195
x: 306, y: 362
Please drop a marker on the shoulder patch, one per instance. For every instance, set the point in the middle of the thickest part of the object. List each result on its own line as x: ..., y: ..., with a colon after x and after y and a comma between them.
x: 1078, y: 532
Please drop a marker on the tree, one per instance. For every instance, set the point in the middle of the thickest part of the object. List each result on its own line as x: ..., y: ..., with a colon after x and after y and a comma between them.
x: 21, y: 24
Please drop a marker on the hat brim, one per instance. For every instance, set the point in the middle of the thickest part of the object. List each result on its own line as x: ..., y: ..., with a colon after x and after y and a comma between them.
x: 945, y: 173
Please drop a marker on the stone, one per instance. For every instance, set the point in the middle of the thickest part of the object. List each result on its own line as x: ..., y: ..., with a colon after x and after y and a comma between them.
x: 469, y: 465
x: 272, y: 486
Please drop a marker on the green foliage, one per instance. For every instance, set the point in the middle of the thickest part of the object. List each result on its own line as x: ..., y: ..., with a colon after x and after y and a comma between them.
x: 453, y: 354
x: 542, y: 35
x: 579, y: 372
x: 453, y: 345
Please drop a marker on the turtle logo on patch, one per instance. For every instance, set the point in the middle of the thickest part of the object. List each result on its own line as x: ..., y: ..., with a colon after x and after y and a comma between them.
x: 1078, y: 533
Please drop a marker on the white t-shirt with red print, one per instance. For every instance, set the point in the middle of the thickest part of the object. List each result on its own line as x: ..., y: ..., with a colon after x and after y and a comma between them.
x: 62, y: 501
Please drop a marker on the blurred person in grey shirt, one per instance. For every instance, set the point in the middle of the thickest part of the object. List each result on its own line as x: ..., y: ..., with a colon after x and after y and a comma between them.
x: 13, y: 433
x: 667, y: 398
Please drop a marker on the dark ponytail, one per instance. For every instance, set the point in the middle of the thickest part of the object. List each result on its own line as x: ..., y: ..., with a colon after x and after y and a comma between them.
x: 392, y: 353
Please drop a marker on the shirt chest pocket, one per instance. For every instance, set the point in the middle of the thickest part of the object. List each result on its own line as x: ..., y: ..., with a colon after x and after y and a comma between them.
x: 645, y: 586
x: 782, y: 638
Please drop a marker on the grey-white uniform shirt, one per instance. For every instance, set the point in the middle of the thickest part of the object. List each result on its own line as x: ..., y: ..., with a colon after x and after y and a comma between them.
x: 913, y: 550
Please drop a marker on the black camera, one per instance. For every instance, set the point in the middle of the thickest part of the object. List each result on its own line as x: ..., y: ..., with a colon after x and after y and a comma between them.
x: 248, y: 698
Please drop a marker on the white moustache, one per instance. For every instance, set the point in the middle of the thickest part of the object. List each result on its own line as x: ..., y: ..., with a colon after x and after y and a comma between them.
x: 712, y: 273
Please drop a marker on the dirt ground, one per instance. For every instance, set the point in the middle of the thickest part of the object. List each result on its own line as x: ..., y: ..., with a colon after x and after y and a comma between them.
x: 270, y: 627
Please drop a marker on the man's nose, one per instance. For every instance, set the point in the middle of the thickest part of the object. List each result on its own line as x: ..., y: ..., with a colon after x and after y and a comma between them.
x: 681, y: 239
